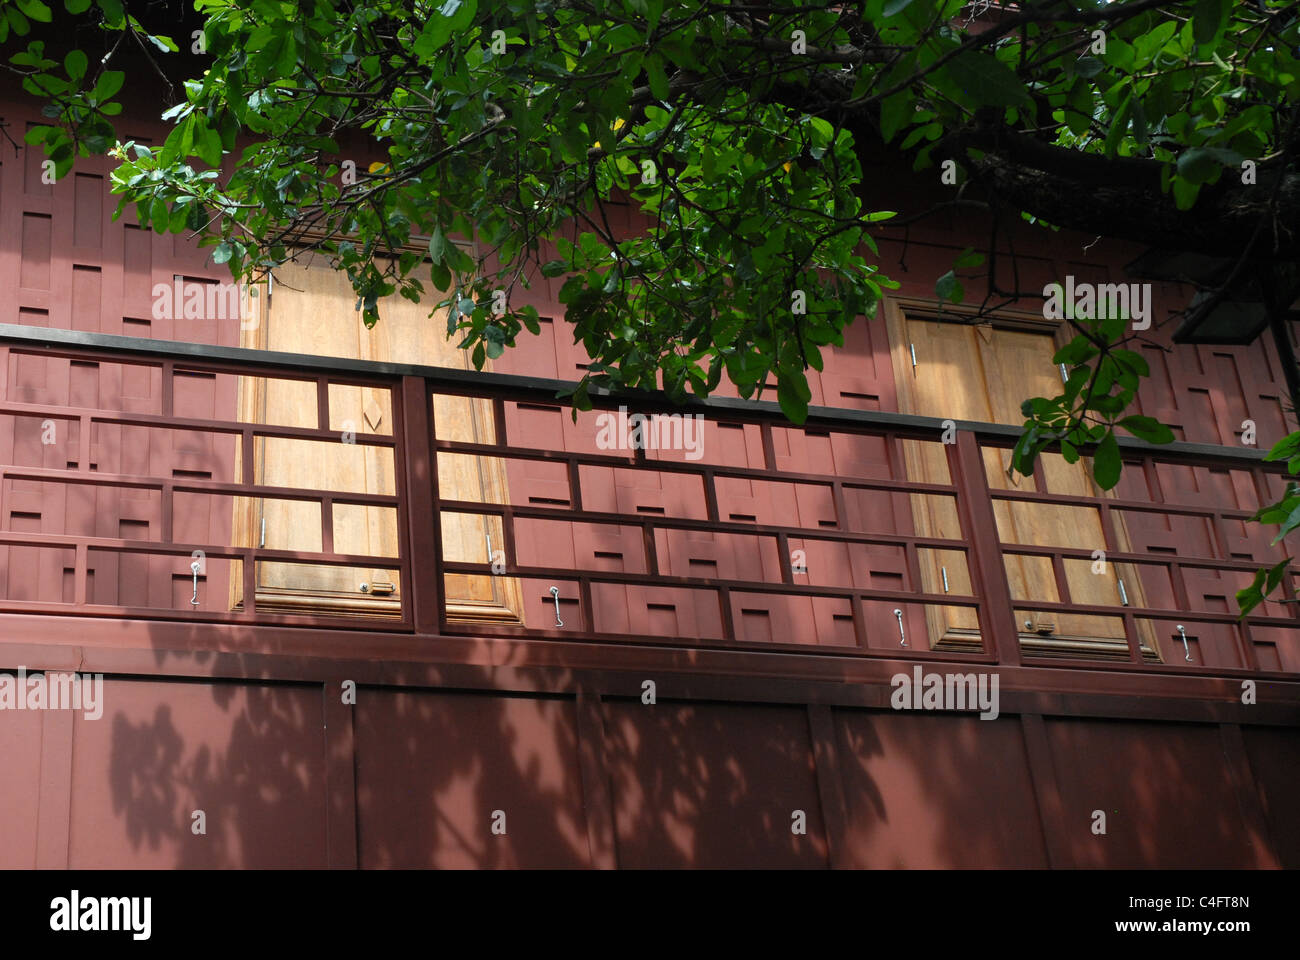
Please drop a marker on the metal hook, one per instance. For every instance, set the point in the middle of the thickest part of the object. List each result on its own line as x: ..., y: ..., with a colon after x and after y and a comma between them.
x: 194, y: 568
x: 555, y: 593
x: 902, y: 637
x: 1187, y: 654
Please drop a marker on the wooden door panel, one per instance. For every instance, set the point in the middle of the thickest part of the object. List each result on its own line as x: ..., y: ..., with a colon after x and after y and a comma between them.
x: 1017, y: 365
x: 984, y: 373
x: 310, y: 309
x: 945, y: 347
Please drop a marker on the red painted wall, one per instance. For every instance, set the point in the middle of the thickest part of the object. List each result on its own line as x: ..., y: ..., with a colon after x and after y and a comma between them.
x: 681, y: 784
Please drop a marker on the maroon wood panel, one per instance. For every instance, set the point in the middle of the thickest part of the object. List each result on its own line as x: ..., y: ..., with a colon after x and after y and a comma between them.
x: 250, y: 756
x: 1166, y: 799
x: 69, y: 265
x: 433, y: 769
x: 288, y: 775
x: 712, y: 785
x: 1276, y: 771
x: 20, y: 787
x: 916, y: 784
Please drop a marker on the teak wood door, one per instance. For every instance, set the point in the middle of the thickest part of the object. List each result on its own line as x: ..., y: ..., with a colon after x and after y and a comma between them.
x: 309, y: 308
x: 984, y: 372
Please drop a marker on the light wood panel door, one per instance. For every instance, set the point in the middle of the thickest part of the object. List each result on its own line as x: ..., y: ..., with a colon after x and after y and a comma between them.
x: 309, y: 308
x: 984, y: 372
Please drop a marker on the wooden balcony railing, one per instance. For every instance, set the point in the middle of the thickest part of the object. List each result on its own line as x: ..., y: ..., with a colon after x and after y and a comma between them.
x: 123, y: 462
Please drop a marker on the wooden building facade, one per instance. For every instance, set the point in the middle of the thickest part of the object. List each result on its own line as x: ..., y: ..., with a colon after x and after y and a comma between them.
x: 361, y: 606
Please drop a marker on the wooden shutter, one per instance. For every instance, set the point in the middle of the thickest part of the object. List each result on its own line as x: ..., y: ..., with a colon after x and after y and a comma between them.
x: 984, y: 372
x: 310, y: 309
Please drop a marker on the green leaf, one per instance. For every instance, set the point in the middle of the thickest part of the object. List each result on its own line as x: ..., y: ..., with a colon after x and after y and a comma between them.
x: 1139, y: 122
x: 1131, y: 360
x: 21, y: 25
x: 1208, y: 19
x: 1118, y: 125
x: 159, y: 215
x: 1252, y: 596
x: 1147, y: 428
x: 75, y: 64
x: 1106, y: 463
x: 1285, y: 448
x: 895, y: 112
x: 36, y: 10
x: 1275, y: 575
x: 793, y: 405
x: 208, y: 147
x: 114, y: 16
x: 452, y: 17
x: 437, y: 246
x: 1077, y: 351
x: 988, y: 80
x: 949, y: 288
x: 1291, y: 521
x: 110, y: 81
x: 1202, y: 164
x: 658, y: 78
x: 1088, y: 67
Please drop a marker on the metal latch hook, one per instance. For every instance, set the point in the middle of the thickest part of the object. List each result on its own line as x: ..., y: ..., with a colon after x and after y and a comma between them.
x: 555, y: 594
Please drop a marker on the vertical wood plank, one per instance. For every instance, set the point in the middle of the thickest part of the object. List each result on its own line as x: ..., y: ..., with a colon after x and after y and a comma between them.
x: 1242, y: 777
x: 340, y: 780
x: 997, y: 620
x: 53, y: 821
x: 830, y: 786
x: 1047, y: 791
x: 597, y: 799
x: 422, y: 523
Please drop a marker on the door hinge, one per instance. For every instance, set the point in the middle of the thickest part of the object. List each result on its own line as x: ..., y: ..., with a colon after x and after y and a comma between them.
x: 912, y: 348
